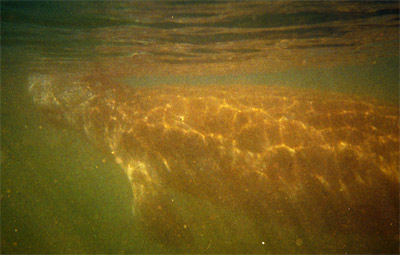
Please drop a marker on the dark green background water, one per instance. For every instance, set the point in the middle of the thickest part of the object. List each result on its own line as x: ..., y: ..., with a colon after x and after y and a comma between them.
x: 59, y: 194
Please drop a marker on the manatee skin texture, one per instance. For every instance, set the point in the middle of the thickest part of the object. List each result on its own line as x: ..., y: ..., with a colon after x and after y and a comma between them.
x: 320, y: 163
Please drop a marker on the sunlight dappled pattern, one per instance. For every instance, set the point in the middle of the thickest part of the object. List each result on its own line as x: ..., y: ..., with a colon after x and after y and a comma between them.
x: 305, y: 159
x: 199, y: 127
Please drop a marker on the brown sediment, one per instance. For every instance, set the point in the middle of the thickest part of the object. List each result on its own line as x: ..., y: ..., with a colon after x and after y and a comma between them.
x: 312, y: 160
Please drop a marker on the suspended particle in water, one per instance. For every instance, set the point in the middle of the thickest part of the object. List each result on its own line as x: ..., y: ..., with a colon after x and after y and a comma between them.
x: 299, y: 242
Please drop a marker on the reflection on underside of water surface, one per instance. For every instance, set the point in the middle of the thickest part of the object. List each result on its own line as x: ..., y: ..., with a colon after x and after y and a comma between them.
x: 201, y: 38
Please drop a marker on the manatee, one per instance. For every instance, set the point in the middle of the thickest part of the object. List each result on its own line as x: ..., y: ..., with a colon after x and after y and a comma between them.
x: 316, y: 161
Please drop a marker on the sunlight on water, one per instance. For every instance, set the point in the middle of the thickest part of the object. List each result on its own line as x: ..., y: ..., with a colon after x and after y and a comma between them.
x: 200, y: 127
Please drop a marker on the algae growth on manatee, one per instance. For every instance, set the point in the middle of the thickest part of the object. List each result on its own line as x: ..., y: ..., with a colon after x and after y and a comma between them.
x: 319, y: 163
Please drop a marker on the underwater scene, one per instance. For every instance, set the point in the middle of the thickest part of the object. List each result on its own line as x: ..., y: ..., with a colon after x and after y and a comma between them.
x: 215, y: 127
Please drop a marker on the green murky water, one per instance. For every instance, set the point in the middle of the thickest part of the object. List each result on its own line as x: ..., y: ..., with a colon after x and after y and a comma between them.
x: 61, y: 194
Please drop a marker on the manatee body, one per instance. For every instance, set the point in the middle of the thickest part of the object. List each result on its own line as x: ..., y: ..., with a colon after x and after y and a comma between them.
x: 317, y: 162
